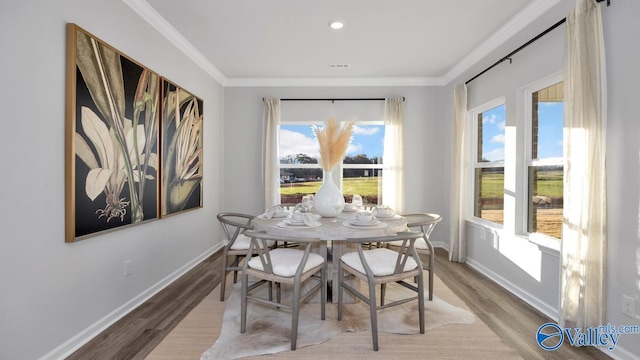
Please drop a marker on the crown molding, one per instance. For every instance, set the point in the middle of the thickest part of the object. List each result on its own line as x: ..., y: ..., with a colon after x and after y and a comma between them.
x: 513, y: 26
x: 316, y: 81
x: 150, y: 15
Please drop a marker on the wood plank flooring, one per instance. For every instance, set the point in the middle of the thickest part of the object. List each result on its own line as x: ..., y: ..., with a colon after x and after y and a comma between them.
x: 138, y: 333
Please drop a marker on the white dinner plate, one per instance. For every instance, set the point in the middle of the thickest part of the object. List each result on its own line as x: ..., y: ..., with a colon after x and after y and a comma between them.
x: 394, y: 216
x: 284, y: 224
x: 373, y: 222
x: 293, y: 223
x: 378, y: 225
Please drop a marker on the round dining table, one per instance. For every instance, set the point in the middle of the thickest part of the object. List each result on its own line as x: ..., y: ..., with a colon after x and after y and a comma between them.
x: 334, y: 232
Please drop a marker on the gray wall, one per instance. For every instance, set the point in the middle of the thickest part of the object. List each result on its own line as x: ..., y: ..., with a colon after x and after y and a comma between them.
x: 55, y: 295
x: 426, y: 134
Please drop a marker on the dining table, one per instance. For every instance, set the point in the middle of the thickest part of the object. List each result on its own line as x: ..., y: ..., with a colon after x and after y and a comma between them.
x: 333, y: 232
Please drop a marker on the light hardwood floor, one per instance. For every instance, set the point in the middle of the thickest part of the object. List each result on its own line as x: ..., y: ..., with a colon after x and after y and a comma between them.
x: 136, y: 335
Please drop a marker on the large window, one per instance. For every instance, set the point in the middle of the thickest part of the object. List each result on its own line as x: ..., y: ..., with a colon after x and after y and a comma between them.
x: 360, y: 172
x: 545, y: 159
x: 489, y: 162
x: 517, y: 172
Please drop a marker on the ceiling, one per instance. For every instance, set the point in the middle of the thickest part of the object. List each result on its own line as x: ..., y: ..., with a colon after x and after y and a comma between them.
x: 249, y: 41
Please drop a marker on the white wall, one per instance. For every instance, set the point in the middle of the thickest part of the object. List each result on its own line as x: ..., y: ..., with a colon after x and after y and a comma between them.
x: 425, y: 133
x: 507, y: 258
x: 54, y: 295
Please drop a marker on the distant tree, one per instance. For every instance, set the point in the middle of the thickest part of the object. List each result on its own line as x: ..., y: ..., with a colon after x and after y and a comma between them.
x: 298, y: 159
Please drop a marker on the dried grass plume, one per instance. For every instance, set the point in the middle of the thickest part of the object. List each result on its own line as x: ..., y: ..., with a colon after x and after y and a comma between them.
x: 333, y: 142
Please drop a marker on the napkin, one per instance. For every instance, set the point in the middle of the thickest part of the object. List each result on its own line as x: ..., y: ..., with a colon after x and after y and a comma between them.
x: 308, y: 219
x: 269, y: 213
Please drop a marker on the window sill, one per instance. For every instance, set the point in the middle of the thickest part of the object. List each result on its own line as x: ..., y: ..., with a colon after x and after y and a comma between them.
x: 547, y: 244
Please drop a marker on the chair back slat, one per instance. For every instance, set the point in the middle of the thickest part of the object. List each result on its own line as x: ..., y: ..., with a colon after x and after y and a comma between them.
x: 263, y: 252
x: 233, y: 224
x: 407, y: 249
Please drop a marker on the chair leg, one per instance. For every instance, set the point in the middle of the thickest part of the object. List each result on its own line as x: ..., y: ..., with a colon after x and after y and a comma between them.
x: 340, y: 276
x: 223, y: 281
x: 295, y: 311
x: 278, y: 293
x: 431, y: 260
x: 323, y: 290
x: 243, y: 303
x: 374, y: 316
x: 383, y: 290
x: 421, y: 302
x: 235, y: 272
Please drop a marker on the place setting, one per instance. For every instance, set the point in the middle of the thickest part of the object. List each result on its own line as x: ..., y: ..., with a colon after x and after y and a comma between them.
x: 384, y: 212
x: 364, y: 219
x: 299, y: 219
x: 275, y: 212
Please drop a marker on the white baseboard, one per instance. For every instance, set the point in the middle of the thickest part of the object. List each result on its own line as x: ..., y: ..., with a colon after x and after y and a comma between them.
x: 70, y: 346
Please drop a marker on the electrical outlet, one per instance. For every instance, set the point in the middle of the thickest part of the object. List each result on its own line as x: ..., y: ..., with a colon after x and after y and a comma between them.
x: 628, y: 305
x: 127, y: 267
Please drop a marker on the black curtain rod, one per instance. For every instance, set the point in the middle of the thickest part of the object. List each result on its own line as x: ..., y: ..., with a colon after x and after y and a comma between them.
x: 343, y: 99
x: 508, y: 56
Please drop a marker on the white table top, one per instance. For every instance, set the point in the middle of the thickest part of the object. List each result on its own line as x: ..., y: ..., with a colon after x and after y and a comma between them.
x: 330, y: 230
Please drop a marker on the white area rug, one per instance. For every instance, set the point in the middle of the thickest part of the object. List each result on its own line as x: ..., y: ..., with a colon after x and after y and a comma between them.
x: 268, y: 329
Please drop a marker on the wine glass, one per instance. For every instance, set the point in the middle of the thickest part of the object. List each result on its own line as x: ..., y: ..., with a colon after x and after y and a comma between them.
x: 336, y: 206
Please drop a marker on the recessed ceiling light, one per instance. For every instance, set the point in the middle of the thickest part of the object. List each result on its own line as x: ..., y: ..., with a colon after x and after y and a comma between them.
x: 336, y: 24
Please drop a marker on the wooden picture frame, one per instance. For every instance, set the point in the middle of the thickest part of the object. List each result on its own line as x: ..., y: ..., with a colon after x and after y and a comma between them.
x: 182, y: 150
x: 112, y: 128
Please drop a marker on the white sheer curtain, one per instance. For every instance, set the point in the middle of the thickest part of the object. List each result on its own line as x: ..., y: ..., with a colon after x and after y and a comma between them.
x: 459, y: 155
x: 393, y: 157
x: 271, y: 172
x: 582, y: 293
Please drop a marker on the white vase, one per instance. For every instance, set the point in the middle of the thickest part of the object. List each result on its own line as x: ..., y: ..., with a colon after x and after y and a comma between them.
x: 328, y: 201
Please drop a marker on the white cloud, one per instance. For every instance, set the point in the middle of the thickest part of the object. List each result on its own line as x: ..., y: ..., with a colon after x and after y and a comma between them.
x: 355, y: 149
x: 357, y: 130
x: 498, y: 139
x: 500, y: 125
x: 489, y: 119
x: 494, y: 155
x: 292, y: 143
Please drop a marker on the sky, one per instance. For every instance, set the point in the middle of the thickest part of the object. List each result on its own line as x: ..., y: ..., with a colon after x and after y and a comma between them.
x: 368, y: 139
x: 295, y: 139
x: 550, y: 124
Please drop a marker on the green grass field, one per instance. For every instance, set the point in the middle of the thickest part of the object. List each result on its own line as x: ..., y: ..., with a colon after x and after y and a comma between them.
x: 549, y: 184
x: 367, y: 187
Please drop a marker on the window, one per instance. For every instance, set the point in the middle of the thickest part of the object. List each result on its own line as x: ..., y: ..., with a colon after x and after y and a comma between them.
x: 488, y: 191
x: 545, y: 161
x: 360, y: 172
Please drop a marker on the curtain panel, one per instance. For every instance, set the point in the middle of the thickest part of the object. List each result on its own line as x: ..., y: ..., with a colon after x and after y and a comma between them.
x: 584, y: 243
x: 270, y: 169
x: 459, y: 166
x: 393, y: 157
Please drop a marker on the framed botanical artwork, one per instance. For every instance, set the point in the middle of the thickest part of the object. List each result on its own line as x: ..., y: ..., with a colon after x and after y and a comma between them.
x: 112, y: 127
x: 181, y: 155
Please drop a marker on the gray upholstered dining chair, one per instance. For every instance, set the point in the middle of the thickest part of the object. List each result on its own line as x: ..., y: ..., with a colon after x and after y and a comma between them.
x: 237, y: 244
x: 424, y: 222
x: 292, y: 266
x: 381, y: 266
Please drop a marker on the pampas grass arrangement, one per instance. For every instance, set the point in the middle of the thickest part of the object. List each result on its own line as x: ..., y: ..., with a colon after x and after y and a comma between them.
x: 333, y: 142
